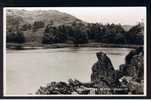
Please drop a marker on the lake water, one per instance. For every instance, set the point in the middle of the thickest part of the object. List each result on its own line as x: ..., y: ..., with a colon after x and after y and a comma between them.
x: 27, y: 70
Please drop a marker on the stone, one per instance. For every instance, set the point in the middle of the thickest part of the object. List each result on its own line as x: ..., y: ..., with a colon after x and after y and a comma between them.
x: 135, y: 87
x: 89, y: 85
x: 134, y: 65
x: 133, y: 71
x: 137, y: 51
x: 82, y: 90
x: 74, y: 82
x: 103, y: 72
x: 92, y: 91
x: 74, y: 93
x: 125, y: 79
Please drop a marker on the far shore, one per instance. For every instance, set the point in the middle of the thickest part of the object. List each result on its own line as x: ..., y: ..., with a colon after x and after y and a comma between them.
x: 26, y: 46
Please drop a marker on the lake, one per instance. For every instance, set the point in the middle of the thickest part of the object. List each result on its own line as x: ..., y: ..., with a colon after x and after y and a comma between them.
x: 27, y: 70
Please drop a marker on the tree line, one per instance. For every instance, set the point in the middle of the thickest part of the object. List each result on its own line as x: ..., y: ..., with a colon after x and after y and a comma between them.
x: 79, y: 33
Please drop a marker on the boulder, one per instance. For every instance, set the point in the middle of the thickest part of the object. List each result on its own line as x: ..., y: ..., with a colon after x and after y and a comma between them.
x: 134, y: 65
x: 83, y: 90
x: 55, y: 88
x: 125, y: 79
x: 137, y: 51
x: 103, y: 73
x: 74, y: 93
x: 133, y: 71
x: 135, y: 87
x: 74, y: 82
x: 92, y: 91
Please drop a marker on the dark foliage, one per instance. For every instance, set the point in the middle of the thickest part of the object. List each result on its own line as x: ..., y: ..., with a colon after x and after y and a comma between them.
x: 63, y: 33
x: 37, y: 25
x: 26, y: 27
x: 135, y: 35
x: 54, y: 35
x: 79, y: 33
x: 17, y: 37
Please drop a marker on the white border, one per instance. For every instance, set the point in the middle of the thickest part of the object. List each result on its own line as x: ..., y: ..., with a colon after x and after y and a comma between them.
x: 145, y: 54
x: 4, y: 59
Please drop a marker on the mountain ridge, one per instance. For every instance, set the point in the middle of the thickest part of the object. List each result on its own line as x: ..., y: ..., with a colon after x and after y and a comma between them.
x: 42, y: 15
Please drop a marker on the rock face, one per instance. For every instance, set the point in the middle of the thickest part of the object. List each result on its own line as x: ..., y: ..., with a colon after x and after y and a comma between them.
x: 103, y: 71
x: 134, y: 65
x: 134, y: 68
x: 136, y: 87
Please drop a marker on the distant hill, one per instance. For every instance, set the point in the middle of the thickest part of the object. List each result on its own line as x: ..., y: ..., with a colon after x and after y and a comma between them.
x: 19, y: 18
x: 127, y: 27
x: 42, y: 15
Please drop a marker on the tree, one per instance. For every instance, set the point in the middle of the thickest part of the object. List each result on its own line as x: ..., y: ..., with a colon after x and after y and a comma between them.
x: 13, y: 23
x: 77, y: 34
x: 53, y: 35
x: 17, y: 37
x: 37, y: 25
x: 26, y: 27
x: 135, y: 34
x: 59, y: 34
x: 111, y: 33
x: 95, y: 31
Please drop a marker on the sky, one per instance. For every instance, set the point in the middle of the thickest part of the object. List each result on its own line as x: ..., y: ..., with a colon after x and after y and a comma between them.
x: 122, y: 15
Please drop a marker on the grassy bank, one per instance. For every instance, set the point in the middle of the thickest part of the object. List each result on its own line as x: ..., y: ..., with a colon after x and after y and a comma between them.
x: 65, y: 45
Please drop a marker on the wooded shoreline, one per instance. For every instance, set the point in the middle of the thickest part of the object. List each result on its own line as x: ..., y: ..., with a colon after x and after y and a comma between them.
x: 26, y: 46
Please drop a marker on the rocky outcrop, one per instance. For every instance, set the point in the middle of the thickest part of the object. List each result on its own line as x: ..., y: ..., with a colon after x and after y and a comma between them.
x: 72, y: 87
x: 134, y: 65
x: 105, y: 79
x: 134, y: 69
x: 103, y: 72
x: 136, y: 87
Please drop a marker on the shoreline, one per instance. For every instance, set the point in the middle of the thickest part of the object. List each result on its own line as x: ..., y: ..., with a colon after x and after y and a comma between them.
x: 28, y: 46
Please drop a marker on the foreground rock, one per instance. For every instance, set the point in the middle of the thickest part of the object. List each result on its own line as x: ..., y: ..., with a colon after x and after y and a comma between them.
x: 134, y: 69
x: 104, y: 74
x: 105, y: 79
x: 71, y: 87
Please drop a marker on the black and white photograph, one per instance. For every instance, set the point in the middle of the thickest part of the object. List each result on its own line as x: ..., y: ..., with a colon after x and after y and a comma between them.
x: 74, y: 51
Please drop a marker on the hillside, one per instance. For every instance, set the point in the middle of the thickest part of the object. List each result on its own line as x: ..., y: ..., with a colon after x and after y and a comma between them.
x: 42, y: 15
x: 20, y: 19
